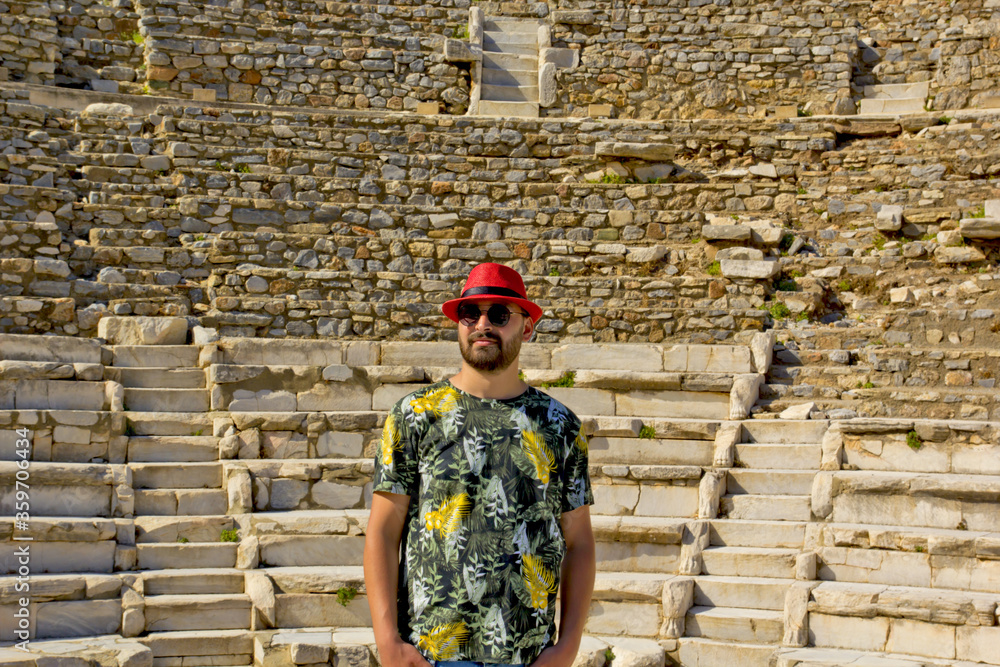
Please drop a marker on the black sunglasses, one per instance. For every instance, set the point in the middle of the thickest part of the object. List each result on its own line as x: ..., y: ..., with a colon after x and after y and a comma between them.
x: 498, y: 314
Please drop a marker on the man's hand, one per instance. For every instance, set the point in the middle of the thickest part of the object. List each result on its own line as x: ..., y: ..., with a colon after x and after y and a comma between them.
x: 402, y: 654
x: 555, y: 656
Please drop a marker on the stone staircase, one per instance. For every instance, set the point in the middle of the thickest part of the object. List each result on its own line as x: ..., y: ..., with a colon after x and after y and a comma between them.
x: 509, y: 86
x: 894, y: 99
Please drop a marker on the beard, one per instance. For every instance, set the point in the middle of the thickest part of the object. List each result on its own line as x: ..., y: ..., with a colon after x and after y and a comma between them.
x: 492, y: 358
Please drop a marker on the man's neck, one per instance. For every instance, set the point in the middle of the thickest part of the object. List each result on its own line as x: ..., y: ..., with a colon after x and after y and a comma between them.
x: 500, y: 385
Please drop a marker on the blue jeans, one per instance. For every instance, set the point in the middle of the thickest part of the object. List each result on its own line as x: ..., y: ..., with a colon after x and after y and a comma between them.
x: 468, y: 663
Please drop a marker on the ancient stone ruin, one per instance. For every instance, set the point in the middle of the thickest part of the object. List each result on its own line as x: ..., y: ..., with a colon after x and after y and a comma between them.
x: 764, y: 234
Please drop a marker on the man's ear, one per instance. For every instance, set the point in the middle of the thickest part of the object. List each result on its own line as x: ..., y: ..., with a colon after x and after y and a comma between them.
x: 529, y: 329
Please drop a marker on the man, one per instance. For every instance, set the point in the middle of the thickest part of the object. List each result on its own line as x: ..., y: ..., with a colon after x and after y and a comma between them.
x: 483, y: 479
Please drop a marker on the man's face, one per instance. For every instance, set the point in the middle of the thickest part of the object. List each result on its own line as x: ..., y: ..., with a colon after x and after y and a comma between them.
x: 488, y: 347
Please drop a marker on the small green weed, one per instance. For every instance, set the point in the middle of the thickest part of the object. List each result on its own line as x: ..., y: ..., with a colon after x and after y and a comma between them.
x: 802, y: 113
x: 554, y: 272
x: 609, y: 655
x: 462, y: 32
x: 778, y: 310
x: 647, y: 432
x: 567, y: 380
x: 183, y: 540
x: 199, y: 431
x: 345, y: 594
x: 242, y: 169
x: 802, y: 191
x: 520, y: 376
x: 879, y: 242
x: 962, y: 525
x: 919, y: 549
x: 844, y: 286
x: 979, y: 212
x: 133, y: 36
x: 944, y: 120
x: 229, y: 535
x: 913, y: 441
x: 714, y: 269
x: 786, y: 241
x: 802, y: 317
x: 613, y: 178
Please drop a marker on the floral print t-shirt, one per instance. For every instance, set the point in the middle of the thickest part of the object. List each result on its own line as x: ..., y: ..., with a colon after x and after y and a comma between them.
x: 482, y: 546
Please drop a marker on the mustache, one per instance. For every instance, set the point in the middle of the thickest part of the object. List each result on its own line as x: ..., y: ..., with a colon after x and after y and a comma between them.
x: 484, y: 336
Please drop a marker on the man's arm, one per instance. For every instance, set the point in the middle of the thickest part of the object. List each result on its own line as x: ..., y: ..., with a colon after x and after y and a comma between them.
x: 385, y: 530
x: 579, y: 568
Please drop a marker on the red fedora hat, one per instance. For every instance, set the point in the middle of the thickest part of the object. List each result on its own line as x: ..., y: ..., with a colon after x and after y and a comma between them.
x: 492, y: 282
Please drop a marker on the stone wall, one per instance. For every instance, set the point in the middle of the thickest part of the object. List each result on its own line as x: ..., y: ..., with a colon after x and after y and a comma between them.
x: 29, y: 44
x: 245, y: 57
x: 699, y: 59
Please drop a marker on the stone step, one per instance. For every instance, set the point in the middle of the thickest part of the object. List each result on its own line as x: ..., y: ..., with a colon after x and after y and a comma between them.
x: 525, y: 47
x: 753, y: 626
x: 206, y: 475
x: 740, y: 592
x: 512, y: 26
x: 509, y: 77
x: 155, y: 356
x: 529, y: 36
x: 778, y: 457
x: 510, y: 61
x: 750, y: 562
x: 180, y: 502
x: 167, y: 400
x: 197, y: 612
x: 767, y: 508
x: 831, y: 657
x: 767, y: 534
x: 179, y: 448
x: 498, y: 93
x: 784, y: 432
x: 770, y: 482
x: 165, y: 378
x: 897, y: 91
x: 316, y: 579
x: 194, y: 581
x: 507, y: 109
x: 153, y: 556
x: 704, y: 652
x: 171, y: 424
x: 651, y: 451
x: 226, y: 644
x: 170, y: 529
x: 892, y: 106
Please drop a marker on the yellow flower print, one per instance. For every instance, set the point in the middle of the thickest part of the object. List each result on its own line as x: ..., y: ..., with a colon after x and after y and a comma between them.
x: 539, y: 453
x: 436, y: 402
x: 390, y: 440
x: 447, y: 518
x: 444, y: 641
x: 539, y: 581
x: 581, y: 442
